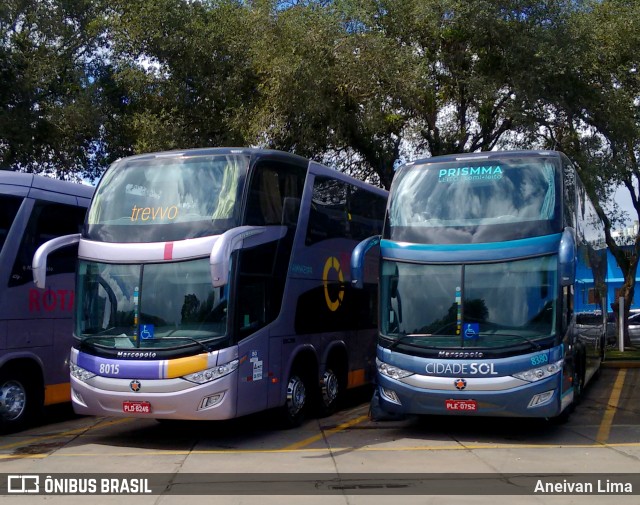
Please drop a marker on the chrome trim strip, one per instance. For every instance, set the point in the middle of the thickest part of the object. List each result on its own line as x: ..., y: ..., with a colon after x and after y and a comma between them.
x: 148, y: 386
x: 109, y: 252
x: 473, y: 384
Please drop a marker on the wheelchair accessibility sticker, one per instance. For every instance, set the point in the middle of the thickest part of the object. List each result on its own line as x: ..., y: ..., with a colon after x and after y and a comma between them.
x: 471, y: 330
x: 147, y: 331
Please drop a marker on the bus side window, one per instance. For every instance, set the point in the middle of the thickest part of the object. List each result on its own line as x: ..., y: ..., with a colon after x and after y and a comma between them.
x: 273, y: 194
x: 9, y: 206
x: 274, y: 199
x: 329, y: 213
x: 47, y: 221
x: 341, y: 210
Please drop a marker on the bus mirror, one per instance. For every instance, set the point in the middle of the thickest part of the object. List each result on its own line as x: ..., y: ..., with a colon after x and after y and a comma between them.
x: 358, y: 257
x: 39, y: 263
x: 567, y: 257
x: 241, y: 237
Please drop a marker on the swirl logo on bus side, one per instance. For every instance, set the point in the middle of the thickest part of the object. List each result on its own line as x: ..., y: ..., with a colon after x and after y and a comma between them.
x: 332, y: 263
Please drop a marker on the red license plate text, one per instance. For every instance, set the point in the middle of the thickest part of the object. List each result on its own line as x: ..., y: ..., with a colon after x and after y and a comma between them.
x: 136, y: 407
x: 462, y: 405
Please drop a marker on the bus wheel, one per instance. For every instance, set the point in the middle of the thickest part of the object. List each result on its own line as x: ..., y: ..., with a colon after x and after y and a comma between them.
x: 293, y: 410
x: 329, y: 393
x: 577, y: 379
x: 18, y: 400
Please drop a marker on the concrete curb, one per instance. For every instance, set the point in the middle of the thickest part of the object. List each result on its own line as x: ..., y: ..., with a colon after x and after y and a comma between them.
x: 621, y: 364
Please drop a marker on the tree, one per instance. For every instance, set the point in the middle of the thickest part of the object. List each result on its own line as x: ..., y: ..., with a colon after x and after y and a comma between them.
x: 185, y: 72
x: 378, y: 81
x: 590, y: 111
x: 49, y: 118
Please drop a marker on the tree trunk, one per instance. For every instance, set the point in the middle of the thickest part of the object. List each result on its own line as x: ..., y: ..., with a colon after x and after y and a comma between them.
x: 626, y: 291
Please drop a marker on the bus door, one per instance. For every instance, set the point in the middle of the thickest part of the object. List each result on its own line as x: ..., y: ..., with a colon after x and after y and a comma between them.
x: 273, y: 199
x: 40, y: 320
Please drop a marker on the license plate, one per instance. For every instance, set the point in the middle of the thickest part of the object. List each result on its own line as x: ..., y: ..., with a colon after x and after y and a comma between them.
x: 136, y: 407
x: 462, y: 405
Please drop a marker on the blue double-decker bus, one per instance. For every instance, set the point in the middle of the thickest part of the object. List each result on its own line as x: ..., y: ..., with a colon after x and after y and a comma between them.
x: 481, y: 310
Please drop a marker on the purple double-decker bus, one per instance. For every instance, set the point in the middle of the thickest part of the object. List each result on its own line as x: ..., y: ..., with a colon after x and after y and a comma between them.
x: 35, y: 325
x: 215, y: 283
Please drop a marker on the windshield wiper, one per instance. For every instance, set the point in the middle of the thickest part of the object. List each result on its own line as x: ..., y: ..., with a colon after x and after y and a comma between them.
x: 402, y: 336
x: 205, y: 348
x: 529, y: 341
x: 102, y: 335
x: 89, y: 340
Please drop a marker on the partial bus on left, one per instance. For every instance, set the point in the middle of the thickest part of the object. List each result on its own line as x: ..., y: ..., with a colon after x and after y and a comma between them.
x: 36, y: 325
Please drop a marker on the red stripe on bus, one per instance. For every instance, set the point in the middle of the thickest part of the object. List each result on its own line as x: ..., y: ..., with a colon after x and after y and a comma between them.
x: 168, y: 251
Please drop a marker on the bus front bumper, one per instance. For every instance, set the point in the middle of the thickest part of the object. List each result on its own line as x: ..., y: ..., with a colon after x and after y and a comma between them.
x: 538, y: 399
x: 157, y: 399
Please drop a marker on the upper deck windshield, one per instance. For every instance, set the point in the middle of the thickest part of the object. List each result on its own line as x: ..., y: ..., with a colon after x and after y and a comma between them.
x: 167, y: 198
x: 478, y: 306
x: 476, y: 200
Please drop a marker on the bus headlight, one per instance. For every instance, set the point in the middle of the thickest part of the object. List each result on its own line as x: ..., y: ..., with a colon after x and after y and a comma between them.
x: 211, y: 374
x: 540, y: 372
x: 391, y: 371
x: 80, y: 373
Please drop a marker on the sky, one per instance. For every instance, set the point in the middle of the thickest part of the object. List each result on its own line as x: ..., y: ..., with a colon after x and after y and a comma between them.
x: 623, y: 199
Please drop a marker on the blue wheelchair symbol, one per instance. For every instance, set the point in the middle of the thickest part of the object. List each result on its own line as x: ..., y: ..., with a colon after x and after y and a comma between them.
x: 147, y: 331
x: 471, y: 330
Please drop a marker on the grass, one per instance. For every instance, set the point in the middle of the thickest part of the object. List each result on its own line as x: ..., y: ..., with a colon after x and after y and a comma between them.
x: 630, y: 353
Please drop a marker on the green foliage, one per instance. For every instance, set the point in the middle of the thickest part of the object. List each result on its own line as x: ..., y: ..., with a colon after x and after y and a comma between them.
x: 186, y: 71
x: 48, y: 117
x: 363, y: 83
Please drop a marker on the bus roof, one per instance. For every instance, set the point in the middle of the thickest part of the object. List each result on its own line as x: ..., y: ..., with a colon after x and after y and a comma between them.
x: 483, y: 155
x: 211, y: 151
x: 257, y: 154
x: 33, y: 183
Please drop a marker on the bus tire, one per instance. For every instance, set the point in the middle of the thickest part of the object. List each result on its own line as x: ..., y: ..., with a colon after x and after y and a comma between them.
x: 293, y: 412
x: 331, y: 389
x: 564, y: 416
x: 21, y: 398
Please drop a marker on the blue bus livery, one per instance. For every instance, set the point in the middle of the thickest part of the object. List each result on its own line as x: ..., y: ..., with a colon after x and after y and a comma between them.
x: 481, y: 311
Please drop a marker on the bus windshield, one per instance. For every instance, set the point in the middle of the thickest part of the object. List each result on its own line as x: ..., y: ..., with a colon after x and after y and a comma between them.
x: 163, y: 305
x: 167, y: 198
x: 471, y: 306
x: 476, y: 200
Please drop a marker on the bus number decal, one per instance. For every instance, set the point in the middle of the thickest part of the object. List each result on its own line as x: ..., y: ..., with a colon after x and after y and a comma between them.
x: 109, y: 369
x: 332, y: 263
x: 540, y: 359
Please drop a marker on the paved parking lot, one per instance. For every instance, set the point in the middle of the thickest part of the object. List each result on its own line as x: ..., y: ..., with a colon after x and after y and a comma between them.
x: 602, y: 437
